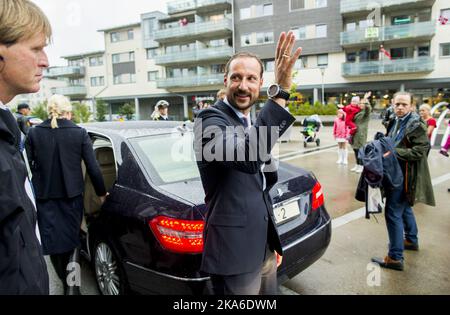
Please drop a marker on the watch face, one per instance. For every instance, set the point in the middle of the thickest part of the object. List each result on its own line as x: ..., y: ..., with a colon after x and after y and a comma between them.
x: 273, y: 90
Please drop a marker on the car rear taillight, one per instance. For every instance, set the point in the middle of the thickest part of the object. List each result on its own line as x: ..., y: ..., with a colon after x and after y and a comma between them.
x: 181, y: 236
x: 317, y: 197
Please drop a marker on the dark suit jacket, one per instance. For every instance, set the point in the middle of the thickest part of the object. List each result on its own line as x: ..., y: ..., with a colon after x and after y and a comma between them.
x: 240, y: 221
x: 22, y: 265
x: 55, y: 157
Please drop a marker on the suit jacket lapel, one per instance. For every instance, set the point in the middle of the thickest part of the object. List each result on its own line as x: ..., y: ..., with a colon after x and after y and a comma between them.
x: 220, y: 105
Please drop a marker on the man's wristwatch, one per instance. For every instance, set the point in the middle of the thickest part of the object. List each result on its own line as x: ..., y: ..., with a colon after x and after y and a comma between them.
x: 275, y: 91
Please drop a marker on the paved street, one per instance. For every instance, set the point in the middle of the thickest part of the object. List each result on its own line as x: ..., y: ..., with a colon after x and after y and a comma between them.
x: 344, y: 269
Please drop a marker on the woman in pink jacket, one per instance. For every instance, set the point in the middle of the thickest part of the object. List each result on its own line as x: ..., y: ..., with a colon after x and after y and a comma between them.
x: 341, y: 133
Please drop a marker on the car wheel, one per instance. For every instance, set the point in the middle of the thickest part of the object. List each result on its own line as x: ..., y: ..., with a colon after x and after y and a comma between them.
x: 108, y: 270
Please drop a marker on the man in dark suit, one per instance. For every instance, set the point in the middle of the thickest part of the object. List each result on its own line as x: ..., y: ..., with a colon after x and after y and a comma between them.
x: 240, y: 236
x: 24, y: 34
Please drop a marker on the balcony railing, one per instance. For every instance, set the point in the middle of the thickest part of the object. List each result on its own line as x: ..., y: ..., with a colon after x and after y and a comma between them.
x: 413, y: 65
x: 181, y: 5
x: 187, y: 5
x: 71, y: 91
x: 348, y: 6
x: 196, y: 55
x: 198, y: 80
x: 69, y: 72
x: 390, y: 33
x: 194, y: 29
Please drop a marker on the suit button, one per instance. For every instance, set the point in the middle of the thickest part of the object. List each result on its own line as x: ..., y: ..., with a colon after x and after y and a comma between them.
x: 266, y: 218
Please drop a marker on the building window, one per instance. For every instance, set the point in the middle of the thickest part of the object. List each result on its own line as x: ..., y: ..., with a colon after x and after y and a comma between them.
x: 246, y: 40
x: 445, y: 50
x: 245, y: 13
x: 217, y: 69
x: 299, y: 32
x: 125, y: 78
x: 424, y: 51
x: 297, y: 4
x: 264, y: 38
x: 363, y: 24
x: 97, y: 81
x: 301, y: 63
x: 124, y: 57
x: 122, y: 36
x: 350, y: 27
x: 399, y: 53
x: 368, y: 55
x: 268, y: 9
x: 269, y: 65
x: 152, y: 53
x: 446, y: 14
x: 152, y: 76
x: 322, y: 60
x: 96, y: 61
x: 76, y: 63
x: 321, y: 30
x: 149, y: 26
x: 351, y: 57
x: 115, y: 37
x: 321, y: 3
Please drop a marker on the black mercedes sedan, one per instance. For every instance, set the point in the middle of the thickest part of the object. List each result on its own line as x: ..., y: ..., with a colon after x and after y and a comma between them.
x: 147, y: 237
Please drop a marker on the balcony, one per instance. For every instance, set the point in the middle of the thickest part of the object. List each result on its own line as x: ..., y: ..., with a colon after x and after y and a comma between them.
x: 73, y: 91
x: 195, y: 56
x: 382, y: 67
x: 199, y: 5
x: 199, y: 80
x: 201, y: 30
x: 72, y: 72
x: 181, y: 6
x: 358, y: 6
x: 416, y: 31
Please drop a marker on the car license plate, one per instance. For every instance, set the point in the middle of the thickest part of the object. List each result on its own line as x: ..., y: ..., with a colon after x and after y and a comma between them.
x: 286, y: 212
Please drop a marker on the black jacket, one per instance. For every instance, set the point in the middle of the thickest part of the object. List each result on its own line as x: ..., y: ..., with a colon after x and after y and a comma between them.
x: 55, y: 157
x: 22, y: 266
x: 23, y: 122
x: 240, y: 220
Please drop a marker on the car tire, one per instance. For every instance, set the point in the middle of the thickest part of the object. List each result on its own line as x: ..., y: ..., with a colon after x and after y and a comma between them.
x: 108, y: 269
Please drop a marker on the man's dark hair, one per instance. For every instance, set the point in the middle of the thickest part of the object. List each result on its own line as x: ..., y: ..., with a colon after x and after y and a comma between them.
x: 244, y: 55
x: 23, y: 106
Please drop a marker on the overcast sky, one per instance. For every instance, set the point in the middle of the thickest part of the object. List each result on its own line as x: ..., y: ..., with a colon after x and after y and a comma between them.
x: 75, y: 22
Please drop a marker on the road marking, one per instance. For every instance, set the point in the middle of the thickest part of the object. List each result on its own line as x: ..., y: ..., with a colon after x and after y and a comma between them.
x: 298, y: 156
x: 361, y: 213
x: 300, y: 152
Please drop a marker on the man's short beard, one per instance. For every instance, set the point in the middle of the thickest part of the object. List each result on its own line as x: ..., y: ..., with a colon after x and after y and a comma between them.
x: 232, y: 103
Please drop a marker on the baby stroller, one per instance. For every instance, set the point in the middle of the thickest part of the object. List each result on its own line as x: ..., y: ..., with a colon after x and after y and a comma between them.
x: 312, y: 125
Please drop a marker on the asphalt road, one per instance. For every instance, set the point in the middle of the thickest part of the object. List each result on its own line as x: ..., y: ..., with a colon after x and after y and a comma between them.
x: 345, y: 268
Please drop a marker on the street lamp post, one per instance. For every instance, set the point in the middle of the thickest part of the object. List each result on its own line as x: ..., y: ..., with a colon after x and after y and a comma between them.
x: 322, y: 71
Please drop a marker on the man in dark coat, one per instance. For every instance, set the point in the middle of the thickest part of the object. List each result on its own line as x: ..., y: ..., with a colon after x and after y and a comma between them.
x: 240, y: 234
x: 409, y: 134
x: 23, y: 36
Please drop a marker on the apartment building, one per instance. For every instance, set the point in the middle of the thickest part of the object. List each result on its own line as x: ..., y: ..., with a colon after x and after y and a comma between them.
x: 195, y: 42
x: 315, y: 23
x: 395, y: 45
x: 349, y: 46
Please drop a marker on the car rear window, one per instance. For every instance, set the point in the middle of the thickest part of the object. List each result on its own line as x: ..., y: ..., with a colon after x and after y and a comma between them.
x: 168, y: 158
